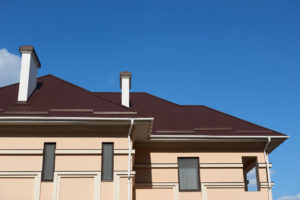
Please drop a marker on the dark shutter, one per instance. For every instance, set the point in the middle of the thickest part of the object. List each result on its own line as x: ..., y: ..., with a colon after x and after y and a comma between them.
x: 107, y: 161
x: 48, y: 161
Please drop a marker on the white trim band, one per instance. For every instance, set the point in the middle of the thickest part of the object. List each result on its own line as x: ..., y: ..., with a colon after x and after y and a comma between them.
x: 62, y: 151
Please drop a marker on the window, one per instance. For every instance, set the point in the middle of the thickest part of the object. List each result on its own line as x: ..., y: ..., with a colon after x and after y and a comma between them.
x: 107, y: 161
x: 48, y: 161
x: 188, y: 172
x: 251, y: 176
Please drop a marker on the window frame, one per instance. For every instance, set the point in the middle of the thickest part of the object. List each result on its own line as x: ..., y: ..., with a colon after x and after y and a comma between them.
x: 198, y: 175
x: 44, y: 162
x: 102, y: 157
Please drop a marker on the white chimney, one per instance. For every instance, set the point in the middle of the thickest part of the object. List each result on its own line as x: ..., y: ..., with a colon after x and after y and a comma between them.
x: 125, y: 84
x: 28, y: 76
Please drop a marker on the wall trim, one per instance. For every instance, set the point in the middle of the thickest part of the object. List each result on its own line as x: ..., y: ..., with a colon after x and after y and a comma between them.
x: 35, y: 175
x: 204, y: 187
x: 202, y: 165
x: 21, y: 151
x: 117, y: 176
x: 61, y: 151
x: 158, y: 185
x: 58, y: 175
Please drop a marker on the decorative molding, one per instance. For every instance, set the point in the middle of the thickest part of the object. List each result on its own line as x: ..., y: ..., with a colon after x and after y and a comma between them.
x: 156, y: 165
x: 117, y: 176
x: 61, y: 151
x: 35, y: 175
x: 264, y: 165
x: 123, y: 151
x: 221, y: 165
x: 204, y: 187
x: 21, y: 151
x: 170, y: 185
x: 91, y: 151
x: 59, y: 175
x: 202, y: 165
x: 265, y: 184
x: 77, y: 151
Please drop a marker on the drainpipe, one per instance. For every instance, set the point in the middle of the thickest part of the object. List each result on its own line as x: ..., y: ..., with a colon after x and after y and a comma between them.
x: 129, y: 157
x: 268, y: 169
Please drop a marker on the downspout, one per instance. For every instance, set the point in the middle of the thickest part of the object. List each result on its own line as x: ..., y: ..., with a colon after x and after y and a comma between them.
x: 268, y: 169
x: 129, y: 157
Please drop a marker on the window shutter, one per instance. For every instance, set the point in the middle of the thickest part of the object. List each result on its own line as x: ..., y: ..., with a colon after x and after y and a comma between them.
x: 48, y: 161
x: 107, y: 161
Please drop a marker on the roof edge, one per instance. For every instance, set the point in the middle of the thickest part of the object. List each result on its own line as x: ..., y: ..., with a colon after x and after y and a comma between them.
x: 30, y: 118
x: 237, y: 118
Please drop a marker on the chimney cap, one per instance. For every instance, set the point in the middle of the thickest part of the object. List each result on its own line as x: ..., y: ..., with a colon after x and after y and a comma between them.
x: 29, y: 48
x: 125, y: 74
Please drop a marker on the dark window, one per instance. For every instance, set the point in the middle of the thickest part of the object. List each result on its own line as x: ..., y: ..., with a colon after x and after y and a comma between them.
x: 48, y: 161
x: 188, y: 171
x: 107, y: 161
x: 251, y: 176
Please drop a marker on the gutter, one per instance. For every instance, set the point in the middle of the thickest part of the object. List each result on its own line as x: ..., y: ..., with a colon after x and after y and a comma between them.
x: 129, y: 157
x: 158, y: 137
x: 266, y: 155
x: 26, y: 118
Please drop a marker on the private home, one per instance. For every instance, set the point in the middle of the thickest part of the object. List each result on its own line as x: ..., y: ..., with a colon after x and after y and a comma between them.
x: 59, y: 141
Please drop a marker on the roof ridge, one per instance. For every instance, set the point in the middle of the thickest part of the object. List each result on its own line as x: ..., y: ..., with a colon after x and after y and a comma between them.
x: 19, y: 83
x: 161, y: 99
x: 10, y: 85
x: 237, y: 118
x: 146, y: 93
x: 89, y: 92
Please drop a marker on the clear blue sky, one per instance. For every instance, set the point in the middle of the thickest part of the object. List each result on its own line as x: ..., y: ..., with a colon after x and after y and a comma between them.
x: 240, y: 57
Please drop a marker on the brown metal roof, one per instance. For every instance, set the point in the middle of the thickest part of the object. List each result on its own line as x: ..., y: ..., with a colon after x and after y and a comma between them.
x: 174, y: 119
x: 56, y: 97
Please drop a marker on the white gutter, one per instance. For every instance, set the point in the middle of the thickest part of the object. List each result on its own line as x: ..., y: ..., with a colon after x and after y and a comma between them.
x: 72, y: 118
x: 268, y: 169
x: 157, y: 137
x: 129, y: 157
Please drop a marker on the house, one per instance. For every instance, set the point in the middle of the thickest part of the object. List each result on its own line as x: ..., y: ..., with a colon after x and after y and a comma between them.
x: 59, y: 141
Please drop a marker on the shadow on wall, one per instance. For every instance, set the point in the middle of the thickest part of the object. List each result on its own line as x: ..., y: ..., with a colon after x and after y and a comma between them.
x: 143, y: 177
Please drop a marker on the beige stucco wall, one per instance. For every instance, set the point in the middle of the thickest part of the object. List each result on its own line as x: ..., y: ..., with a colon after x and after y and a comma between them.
x: 151, y: 182
x: 61, y: 142
x: 21, y: 162
x: 154, y: 193
x: 46, y: 191
x: 107, y: 190
x: 235, y: 193
x: 190, y: 196
x: 83, y: 180
x: 76, y: 189
x: 157, y: 166
x: 16, y: 188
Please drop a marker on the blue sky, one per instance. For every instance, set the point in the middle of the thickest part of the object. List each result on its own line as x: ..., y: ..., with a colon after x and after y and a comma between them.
x: 241, y: 57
